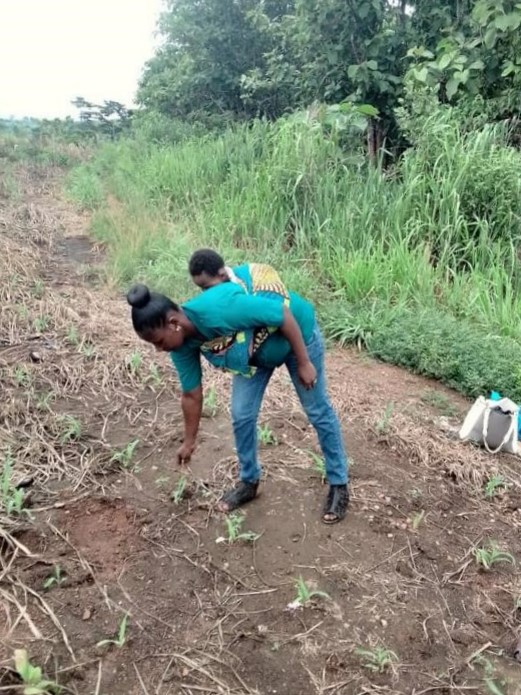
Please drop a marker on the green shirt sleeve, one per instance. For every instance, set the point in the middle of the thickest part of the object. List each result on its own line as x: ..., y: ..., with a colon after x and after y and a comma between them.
x: 187, y: 361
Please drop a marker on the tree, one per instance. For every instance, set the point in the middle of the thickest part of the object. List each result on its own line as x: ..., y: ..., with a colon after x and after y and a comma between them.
x: 110, y: 118
x: 208, y: 46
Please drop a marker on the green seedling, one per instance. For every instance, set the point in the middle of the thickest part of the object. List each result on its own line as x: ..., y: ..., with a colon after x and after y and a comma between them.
x: 494, y: 486
x: 319, y: 465
x: 494, y: 686
x: 382, y: 426
x: 305, y: 594
x: 179, y: 490
x: 12, y: 498
x: 124, y: 456
x: 266, y: 436
x: 234, y: 523
x: 491, y: 555
x: 55, y: 579
x: 378, y: 659
x: 121, y: 638
x: 43, y: 401
x: 21, y: 376
x: 135, y: 362
x: 23, y: 312
x: 32, y: 677
x: 70, y: 429
x: 37, y: 289
x: 210, y: 404
x: 87, y: 350
x: 417, y: 519
x: 41, y: 323
x: 72, y: 335
x: 154, y: 377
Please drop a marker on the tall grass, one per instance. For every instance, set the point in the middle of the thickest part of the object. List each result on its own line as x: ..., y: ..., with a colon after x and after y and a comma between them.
x: 439, y: 232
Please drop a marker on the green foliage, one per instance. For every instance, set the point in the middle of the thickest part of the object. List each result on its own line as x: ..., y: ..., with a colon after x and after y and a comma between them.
x: 494, y: 486
x: 32, y: 677
x: 125, y: 455
x: 179, y: 490
x: 490, y: 555
x: 445, y: 348
x: 84, y: 186
x: 121, y: 638
x: 70, y: 429
x: 266, y: 435
x: 12, y: 498
x: 305, y: 594
x: 234, y: 524
x: 54, y: 579
x: 378, y: 659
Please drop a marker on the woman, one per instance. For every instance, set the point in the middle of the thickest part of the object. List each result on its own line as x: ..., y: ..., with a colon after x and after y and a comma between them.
x: 250, y: 336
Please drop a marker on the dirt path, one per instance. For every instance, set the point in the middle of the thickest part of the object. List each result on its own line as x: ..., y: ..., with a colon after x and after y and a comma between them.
x: 90, y: 420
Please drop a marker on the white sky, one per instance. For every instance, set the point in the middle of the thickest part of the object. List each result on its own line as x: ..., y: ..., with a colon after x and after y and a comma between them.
x: 54, y: 50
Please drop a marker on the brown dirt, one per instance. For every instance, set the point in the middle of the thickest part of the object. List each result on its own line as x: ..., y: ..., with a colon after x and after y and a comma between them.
x: 209, y: 617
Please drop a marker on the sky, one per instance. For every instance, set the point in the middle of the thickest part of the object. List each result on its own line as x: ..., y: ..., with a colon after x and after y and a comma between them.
x: 54, y: 50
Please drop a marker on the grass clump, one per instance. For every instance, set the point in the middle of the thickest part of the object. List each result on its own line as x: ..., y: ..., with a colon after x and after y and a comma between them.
x: 490, y: 555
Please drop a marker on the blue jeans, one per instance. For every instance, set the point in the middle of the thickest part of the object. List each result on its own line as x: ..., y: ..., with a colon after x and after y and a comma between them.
x: 247, y: 395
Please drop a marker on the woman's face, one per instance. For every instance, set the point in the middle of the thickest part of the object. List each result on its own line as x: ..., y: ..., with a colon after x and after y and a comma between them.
x: 169, y: 337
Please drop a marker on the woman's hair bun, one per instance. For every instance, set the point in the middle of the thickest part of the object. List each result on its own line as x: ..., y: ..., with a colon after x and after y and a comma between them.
x: 138, y: 296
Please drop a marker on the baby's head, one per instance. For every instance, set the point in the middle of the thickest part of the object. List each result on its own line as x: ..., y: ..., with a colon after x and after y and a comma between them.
x: 207, y: 268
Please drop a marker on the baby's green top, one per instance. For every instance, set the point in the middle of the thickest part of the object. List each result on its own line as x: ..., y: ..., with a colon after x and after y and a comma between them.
x: 226, y: 309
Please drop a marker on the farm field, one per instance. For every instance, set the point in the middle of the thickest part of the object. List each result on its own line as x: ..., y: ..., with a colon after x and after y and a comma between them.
x: 119, y: 577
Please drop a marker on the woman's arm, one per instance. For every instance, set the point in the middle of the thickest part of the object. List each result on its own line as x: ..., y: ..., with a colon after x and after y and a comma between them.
x: 192, y: 406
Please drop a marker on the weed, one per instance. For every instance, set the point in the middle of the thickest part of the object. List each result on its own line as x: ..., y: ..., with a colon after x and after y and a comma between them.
x: 234, y: 523
x: 494, y: 486
x: 56, y: 578
x: 491, y: 555
x: 121, y: 638
x: 417, y: 519
x: 124, y: 456
x: 22, y: 376
x: 440, y: 402
x: 134, y: 362
x: 43, y: 401
x: 162, y: 480
x: 266, y: 436
x: 378, y: 659
x: 305, y: 594
x: 41, y: 323
x: 154, y: 377
x: 73, y: 336
x: 494, y: 685
x: 319, y: 465
x: 210, y: 404
x: 37, y: 289
x: 382, y: 426
x: 32, y: 676
x: 70, y: 429
x: 87, y: 349
x: 12, y: 497
x: 179, y: 490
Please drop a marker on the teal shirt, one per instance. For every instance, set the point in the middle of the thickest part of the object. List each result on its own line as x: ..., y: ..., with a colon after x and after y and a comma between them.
x: 226, y: 309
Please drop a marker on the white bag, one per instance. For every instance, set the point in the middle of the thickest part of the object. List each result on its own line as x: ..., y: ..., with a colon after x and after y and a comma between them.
x: 492, y: 424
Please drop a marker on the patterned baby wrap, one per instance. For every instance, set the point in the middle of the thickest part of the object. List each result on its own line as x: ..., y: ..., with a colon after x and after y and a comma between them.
x: 234, y: 353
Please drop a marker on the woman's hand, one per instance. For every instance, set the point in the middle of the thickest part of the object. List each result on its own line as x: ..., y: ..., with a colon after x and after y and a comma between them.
x: 184, y: 453
x: 307, y: 374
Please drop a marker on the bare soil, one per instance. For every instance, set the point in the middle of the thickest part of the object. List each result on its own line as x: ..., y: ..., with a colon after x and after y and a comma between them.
x: 204, y: 616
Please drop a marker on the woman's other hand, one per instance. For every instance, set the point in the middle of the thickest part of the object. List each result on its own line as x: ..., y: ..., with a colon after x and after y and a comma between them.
x: 307, y: 374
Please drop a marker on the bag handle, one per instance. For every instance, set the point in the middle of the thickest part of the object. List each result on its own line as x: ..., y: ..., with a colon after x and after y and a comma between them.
x: 485, y: 432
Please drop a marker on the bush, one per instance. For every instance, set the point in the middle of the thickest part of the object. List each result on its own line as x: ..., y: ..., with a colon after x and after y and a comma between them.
x: 456, y: 352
